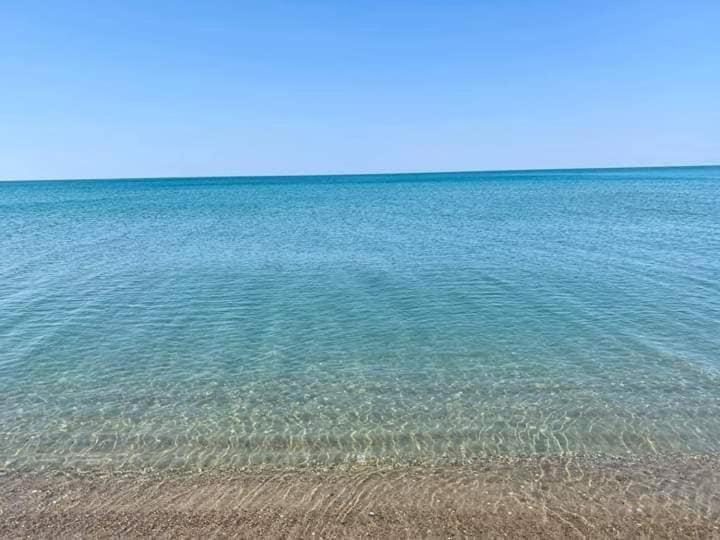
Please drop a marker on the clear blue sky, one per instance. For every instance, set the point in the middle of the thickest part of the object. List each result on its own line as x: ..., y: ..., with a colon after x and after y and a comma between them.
x: 157, y: 88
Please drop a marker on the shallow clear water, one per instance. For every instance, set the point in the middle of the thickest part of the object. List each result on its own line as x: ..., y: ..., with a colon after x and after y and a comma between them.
x: 405, y: 318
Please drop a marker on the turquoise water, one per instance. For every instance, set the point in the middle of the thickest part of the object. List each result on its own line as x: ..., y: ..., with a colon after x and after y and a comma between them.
x: 404, y: 318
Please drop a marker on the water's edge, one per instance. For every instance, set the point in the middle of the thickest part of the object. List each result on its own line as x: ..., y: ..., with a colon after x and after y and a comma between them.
x: 665, y: 497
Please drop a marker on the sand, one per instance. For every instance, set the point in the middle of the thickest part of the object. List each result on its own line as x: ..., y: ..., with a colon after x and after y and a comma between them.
x: 517, y: 498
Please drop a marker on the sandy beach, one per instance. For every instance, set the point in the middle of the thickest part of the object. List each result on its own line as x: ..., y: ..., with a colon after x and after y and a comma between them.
x: 518, y: 498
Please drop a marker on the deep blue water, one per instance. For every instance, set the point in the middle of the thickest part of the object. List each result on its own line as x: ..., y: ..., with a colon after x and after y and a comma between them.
x: 402, y: 318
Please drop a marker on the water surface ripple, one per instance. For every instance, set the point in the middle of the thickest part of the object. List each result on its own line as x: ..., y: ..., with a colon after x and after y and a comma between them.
x: 430, y: 319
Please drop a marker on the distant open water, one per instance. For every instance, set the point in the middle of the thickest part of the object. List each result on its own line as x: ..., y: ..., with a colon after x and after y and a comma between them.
x: 430, y: 318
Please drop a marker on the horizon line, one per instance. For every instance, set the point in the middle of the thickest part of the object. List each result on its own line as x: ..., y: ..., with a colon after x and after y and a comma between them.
x: 357, y: 174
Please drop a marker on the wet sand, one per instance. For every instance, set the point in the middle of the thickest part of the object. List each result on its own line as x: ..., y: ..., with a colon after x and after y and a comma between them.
x: 518, y: 498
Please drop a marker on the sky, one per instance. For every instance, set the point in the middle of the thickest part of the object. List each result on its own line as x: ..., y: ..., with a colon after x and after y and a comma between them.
x: 107, y: 89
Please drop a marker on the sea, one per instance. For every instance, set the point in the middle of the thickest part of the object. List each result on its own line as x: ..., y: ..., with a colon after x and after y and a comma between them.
x: 426, y: 319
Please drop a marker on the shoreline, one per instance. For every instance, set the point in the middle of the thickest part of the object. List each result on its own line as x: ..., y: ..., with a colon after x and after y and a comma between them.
x: 667, y: 497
